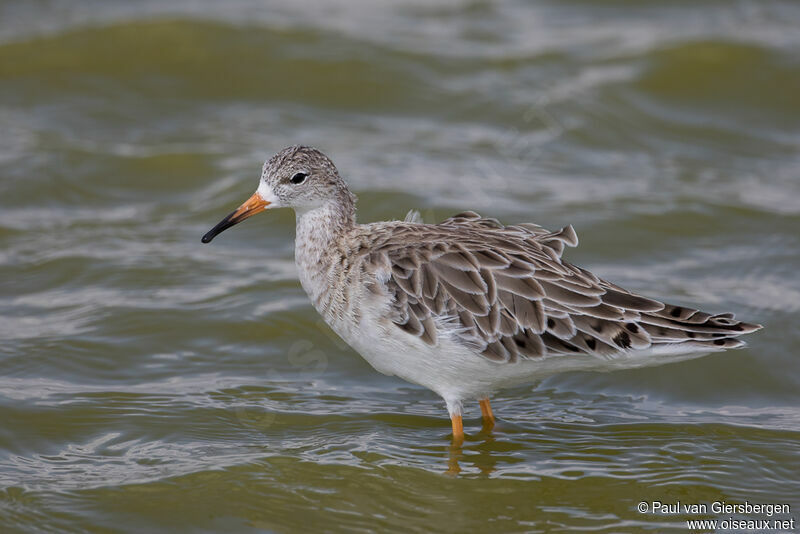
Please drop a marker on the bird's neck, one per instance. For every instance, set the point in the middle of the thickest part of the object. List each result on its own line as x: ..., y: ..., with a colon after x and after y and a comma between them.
x: 316, y: 244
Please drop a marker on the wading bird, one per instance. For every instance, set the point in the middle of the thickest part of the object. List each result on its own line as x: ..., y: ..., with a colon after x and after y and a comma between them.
x: 467, y: 306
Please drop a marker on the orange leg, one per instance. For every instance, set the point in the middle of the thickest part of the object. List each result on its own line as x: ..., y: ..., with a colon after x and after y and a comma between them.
x: 488, y: 416
x: 458, y: 429
x: 453, y: 469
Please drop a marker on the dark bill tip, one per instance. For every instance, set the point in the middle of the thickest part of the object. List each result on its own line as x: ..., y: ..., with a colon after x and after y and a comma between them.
x: 254, y: 204
x: 223, y: 225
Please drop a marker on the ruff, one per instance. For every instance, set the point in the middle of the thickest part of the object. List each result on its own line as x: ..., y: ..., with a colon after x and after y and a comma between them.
x: 467, y: 306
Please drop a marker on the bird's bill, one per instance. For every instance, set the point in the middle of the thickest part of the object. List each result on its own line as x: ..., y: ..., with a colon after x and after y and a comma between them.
x: 254, y: 204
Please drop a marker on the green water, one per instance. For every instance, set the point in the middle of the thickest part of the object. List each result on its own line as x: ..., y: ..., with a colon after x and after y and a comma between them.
x: 151, y: 383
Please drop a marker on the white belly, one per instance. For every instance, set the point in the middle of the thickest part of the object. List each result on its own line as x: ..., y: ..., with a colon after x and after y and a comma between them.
x: 458, y: 373
x: 449, y: 368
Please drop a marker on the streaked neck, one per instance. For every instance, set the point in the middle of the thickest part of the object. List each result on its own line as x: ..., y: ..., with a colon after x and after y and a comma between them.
x: 318, y: 231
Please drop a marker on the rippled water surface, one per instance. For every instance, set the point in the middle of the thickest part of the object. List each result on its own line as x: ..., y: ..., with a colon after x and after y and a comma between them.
x: 151, y: 383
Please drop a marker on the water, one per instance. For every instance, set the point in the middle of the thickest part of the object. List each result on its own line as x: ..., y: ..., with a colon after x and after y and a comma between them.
x: 151, y: 383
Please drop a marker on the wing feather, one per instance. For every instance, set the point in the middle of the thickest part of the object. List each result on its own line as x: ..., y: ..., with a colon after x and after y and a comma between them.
x: 505, y: 292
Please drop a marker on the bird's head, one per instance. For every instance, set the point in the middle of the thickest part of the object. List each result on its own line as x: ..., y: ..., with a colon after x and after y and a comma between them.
x: 298, y: 177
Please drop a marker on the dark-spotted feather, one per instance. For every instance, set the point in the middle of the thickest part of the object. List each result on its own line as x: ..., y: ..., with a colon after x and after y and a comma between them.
x: 505, y: 293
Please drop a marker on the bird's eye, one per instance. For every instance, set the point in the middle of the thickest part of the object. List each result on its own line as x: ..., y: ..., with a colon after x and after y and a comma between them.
x: 299, y: 178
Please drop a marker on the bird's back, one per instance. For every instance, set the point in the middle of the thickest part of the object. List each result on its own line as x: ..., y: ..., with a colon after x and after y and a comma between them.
x: 505, y: 292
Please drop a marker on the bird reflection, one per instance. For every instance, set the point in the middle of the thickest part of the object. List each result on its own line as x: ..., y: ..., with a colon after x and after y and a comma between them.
x: 486, y: 458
